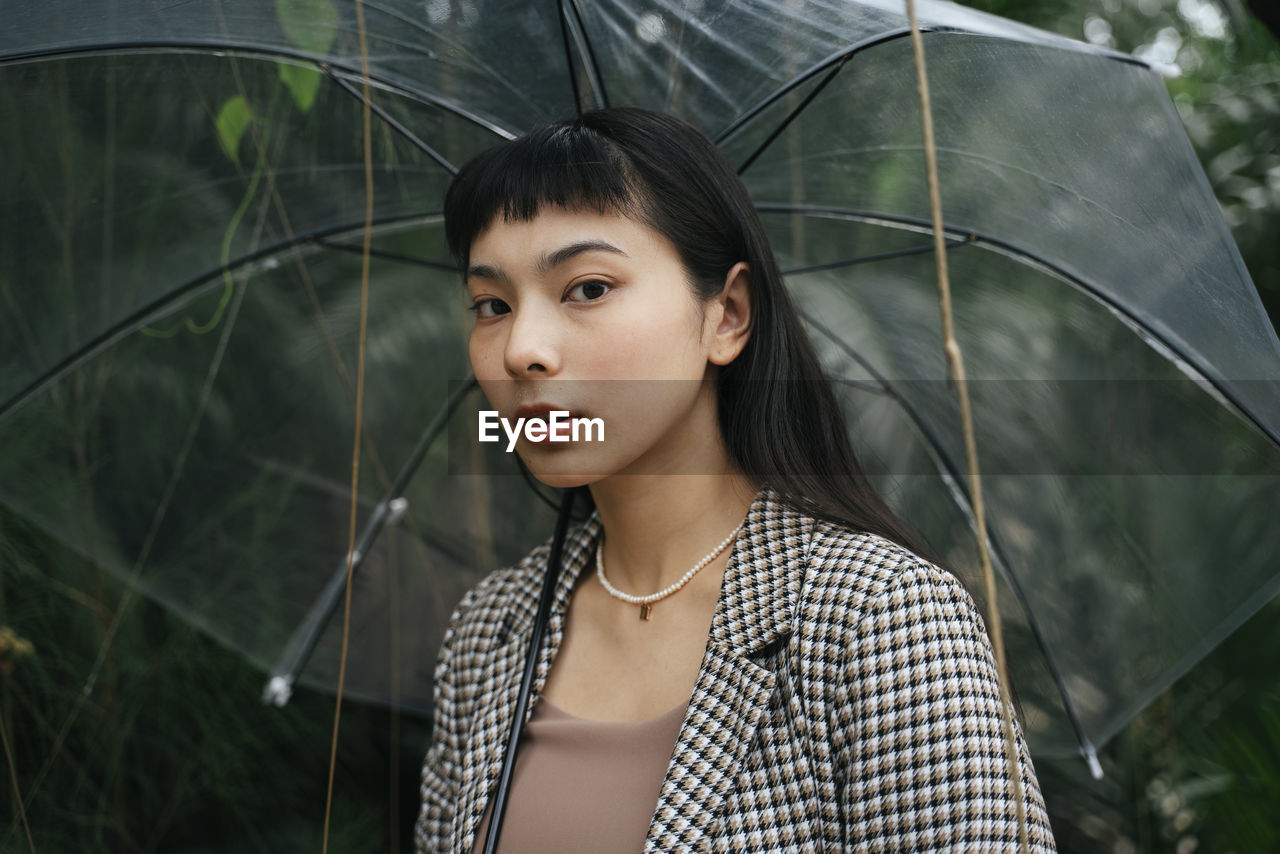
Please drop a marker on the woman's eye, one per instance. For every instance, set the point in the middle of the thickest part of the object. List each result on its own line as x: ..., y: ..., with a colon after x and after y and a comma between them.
x: 588, y: 291
x: 489, y: 307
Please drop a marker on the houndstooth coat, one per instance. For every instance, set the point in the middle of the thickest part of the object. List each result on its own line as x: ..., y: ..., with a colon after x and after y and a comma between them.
x: 847, y: 701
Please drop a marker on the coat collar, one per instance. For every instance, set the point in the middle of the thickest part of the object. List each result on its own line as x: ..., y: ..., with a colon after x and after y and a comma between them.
x: 755, y: 612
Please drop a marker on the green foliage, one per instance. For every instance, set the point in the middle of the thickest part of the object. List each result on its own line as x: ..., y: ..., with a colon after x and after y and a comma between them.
x: 1244, y: 812
x: 303, y: 83
x: 233, y: 120
x: 310, y: 25
x: 172, y: 751
x: 1198, y: 770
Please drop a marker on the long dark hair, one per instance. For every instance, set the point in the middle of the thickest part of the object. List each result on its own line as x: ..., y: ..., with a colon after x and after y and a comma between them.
x: 778, y: 415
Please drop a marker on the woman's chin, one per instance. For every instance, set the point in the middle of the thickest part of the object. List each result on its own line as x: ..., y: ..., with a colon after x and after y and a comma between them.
x: 564, y: 469
x: 566, y: 481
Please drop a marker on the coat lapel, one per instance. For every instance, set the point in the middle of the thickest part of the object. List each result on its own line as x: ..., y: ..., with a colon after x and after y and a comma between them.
x: 491, y: 726
x: 486, y: 741
x: 755, y: 611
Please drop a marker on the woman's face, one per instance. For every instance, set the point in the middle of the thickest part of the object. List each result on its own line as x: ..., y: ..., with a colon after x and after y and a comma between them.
x: 593, y: 314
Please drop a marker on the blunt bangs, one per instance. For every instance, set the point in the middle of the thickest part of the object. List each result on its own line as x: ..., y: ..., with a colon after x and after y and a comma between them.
x: 563, y: 165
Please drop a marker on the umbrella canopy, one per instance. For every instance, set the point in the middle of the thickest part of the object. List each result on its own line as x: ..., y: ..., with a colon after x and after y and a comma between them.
x: 184, y: 196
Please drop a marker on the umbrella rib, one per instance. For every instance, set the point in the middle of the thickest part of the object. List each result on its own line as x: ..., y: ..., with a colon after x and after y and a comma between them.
x: 593, y: 78
x: 387, y: 256
x: 252, y: 50
x: 837, y: 59
x: 861, y: 385
x: 591, y: 65
x: 568, y: 56
x: 955, y: 484
x: 785, y: 123
x: 879, y: 256
x: 390, y: 120
x: 1191, y: 359
x: 126, y: 324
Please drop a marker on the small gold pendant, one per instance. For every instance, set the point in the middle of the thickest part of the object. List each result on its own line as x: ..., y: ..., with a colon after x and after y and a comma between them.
x: 645, y: 611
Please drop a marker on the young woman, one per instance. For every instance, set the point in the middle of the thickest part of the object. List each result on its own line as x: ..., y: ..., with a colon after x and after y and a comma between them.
x: 743, y: 653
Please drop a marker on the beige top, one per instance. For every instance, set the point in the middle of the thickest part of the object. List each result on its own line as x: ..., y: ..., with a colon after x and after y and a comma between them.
x: 584, y: 786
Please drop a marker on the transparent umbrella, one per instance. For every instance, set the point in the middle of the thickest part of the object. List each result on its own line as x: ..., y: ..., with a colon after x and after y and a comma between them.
x: 180, y: 252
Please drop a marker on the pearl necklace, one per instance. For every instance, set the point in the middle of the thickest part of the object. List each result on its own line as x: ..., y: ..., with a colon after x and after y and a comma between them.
x: 645, y: 601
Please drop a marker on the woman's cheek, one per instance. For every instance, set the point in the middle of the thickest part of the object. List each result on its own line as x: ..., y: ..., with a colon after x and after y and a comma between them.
x: 649, y: 346
x: 484, y: 351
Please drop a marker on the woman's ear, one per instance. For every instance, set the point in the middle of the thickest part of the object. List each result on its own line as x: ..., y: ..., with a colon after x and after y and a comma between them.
x: 730, y: 316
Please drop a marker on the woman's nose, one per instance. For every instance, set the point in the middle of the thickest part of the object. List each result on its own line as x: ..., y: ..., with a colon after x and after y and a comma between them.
x: 532, y: 350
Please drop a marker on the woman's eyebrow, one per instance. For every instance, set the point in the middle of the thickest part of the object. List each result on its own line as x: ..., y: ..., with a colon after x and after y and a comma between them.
x: 484, y: 271
x: 563, y: 254
x: 548, y: 261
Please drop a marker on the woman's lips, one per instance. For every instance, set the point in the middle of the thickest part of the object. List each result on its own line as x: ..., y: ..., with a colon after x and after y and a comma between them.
x: 542, y: 412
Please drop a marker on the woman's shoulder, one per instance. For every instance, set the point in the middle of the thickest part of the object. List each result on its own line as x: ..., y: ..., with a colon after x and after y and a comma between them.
x: 509, y: 584
x: 856, y: 577
x: 485, y: 610
x: 508, y: 596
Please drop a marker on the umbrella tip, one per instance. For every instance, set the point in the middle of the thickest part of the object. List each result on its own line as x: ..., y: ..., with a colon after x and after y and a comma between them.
x: 278, y: 691
x: 1091, y: 756
x: 397, y: 507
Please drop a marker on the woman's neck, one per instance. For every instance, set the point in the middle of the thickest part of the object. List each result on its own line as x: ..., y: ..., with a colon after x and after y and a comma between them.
x: 658, y: 526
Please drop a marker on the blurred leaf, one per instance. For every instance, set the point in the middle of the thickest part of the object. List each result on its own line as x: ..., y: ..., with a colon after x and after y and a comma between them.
x: 1242, y: 814
x: 12, y: 648
x: 303, y: 84
x: 310, y: 25
x: 233, y: 120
